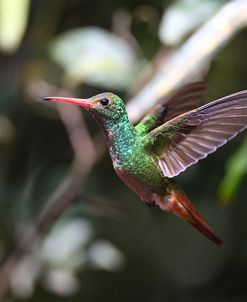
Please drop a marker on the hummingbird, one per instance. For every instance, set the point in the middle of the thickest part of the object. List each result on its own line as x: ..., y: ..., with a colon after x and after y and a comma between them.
x: 173, y: 136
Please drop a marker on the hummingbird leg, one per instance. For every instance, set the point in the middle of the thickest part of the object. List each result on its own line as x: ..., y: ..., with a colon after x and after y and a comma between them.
x: 151, y: 203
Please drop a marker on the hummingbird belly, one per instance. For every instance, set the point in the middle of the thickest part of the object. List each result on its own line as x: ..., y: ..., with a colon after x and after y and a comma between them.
x: 141, y: 173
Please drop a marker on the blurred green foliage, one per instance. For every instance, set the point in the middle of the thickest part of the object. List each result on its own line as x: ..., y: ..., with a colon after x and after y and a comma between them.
x: 236, y: 170
x: 95, y: 56
x: 107, y: 245
x: 13, y: 22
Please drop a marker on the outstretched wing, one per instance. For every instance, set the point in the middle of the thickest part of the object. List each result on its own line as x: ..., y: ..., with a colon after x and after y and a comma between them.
x: 185, y: 139
x: 184, y: 99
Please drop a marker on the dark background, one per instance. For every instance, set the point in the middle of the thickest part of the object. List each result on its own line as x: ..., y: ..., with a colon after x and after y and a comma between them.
x: 106, y: 245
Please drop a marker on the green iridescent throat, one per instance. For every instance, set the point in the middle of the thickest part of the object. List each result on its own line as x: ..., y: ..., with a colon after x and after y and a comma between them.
x: 121, y: 136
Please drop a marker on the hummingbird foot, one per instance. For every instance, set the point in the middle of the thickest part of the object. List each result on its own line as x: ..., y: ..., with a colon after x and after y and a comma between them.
x: 177, y: 203
x: 151, y: 203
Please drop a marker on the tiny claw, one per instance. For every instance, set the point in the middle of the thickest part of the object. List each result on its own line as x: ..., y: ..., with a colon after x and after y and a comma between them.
x: 151, y: 203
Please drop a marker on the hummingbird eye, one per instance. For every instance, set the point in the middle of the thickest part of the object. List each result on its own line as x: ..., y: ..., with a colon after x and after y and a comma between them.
x: 105, y: 102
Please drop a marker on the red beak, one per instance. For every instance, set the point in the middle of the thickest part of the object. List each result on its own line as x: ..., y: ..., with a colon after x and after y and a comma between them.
x: 85, y: 103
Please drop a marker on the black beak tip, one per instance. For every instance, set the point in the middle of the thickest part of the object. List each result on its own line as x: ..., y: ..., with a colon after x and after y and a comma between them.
x: 46, y: 99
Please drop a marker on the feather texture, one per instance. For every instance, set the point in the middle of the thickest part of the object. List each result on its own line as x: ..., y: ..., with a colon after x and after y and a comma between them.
x: 185, y: 139
x: 184, y: 99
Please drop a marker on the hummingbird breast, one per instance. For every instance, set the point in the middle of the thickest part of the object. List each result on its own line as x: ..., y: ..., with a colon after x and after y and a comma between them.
x: 135, y: 166
x: 140, y: 171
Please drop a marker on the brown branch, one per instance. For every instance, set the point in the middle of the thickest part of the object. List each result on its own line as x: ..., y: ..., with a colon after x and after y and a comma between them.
x: 191, y: 58
x: 84, y: 159
x: 85, y: 156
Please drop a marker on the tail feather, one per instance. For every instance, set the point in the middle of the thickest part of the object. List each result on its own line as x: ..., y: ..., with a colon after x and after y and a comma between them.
x: 177, y: 203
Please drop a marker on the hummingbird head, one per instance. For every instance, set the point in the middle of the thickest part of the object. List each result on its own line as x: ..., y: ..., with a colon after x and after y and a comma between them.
x: 104, y: 107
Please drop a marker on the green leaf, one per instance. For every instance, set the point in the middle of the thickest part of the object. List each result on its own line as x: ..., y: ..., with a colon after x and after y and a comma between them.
x: 94, y: 56
x: 236, y: 169
x: 184, y: 16
x: 13, y: 21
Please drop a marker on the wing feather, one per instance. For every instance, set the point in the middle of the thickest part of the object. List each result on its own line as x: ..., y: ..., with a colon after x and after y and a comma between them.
x: 182, y: 141
x: 184, y: 99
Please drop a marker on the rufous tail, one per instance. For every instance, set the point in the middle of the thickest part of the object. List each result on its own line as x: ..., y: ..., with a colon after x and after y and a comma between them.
x: 177, y: 203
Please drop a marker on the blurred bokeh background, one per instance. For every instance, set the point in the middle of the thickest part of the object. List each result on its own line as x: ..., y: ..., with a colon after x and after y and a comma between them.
x: 69, y: 229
